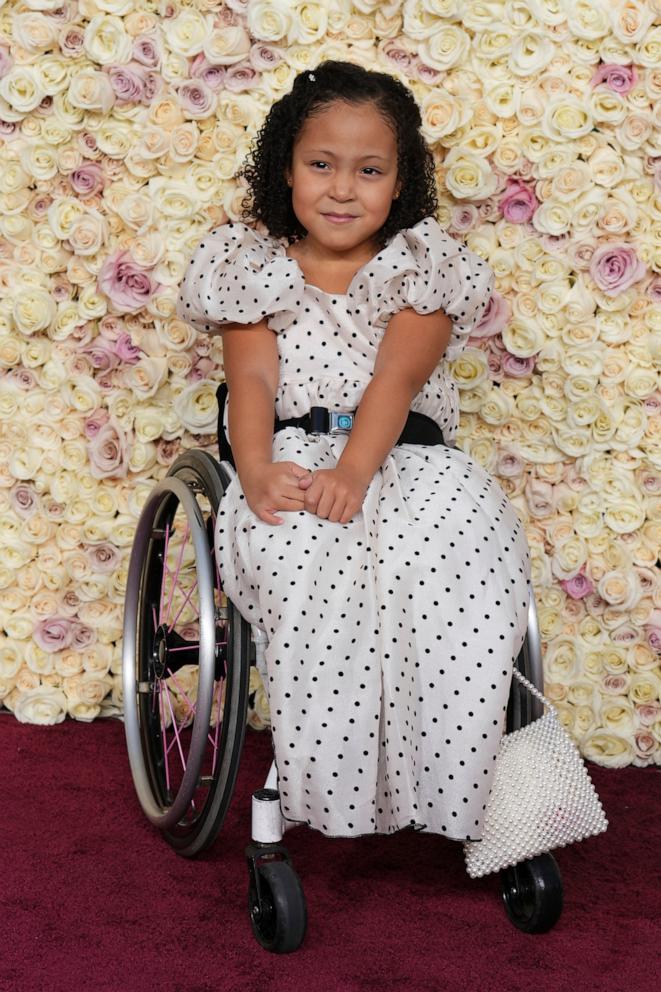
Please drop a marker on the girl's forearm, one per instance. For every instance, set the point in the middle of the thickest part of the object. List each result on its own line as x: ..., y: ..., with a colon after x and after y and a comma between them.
x: 378, y: 424
x: 250, y: 417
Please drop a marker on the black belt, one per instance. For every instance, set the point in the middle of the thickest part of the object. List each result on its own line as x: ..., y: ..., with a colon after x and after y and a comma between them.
x: 418, y: 428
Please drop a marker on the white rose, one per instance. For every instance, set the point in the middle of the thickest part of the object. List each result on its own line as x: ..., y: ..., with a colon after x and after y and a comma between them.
x: 607, y: 749
x: 91, y: 90
x: 197, y: 408
x: 187, y: 32
x: 566, y: 117
x: 530, y: 53
x: 21, y: 87
x: 45, y: 705
x: 106, y: 41
x: 448, y: 46
x: 468, y: 176
x: 34, y: 310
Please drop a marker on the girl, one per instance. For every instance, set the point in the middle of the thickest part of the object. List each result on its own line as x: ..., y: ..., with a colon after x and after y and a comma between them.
x: 389, y: 570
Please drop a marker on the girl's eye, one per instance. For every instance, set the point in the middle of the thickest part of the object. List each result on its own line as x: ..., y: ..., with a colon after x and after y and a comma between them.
x: 368, y: 168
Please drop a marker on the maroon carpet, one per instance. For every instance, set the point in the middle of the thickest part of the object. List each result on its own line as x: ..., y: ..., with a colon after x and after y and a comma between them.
x: 93, y: 899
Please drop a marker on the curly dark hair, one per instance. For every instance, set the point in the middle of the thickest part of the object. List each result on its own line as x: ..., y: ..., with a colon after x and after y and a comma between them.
x: 269, y: 199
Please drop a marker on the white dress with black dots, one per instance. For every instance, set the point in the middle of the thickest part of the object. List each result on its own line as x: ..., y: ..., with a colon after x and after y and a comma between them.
x: 391, y: 638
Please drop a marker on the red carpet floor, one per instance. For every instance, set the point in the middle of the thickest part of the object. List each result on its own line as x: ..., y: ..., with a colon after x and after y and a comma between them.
x: 92, y: 898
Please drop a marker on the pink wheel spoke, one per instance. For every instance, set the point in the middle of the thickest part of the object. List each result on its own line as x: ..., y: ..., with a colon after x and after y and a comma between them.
x: 165, y: 736
x: 181, y: 609
x: 165, y: 571
x: 218, y: 724
x: 191, y: 706
x: 174, y: 726
x: 175, y: 574
x: 193, y: 644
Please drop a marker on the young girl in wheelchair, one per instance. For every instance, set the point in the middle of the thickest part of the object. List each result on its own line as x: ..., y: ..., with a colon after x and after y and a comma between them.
x: 388, y: 570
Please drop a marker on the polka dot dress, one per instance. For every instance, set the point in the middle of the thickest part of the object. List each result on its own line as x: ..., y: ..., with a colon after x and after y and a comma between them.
x: 392, y: 637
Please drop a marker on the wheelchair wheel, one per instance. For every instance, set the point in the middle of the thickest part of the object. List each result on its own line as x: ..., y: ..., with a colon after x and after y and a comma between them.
x: 277, y: 910
x: 532, y: 892
x: 185, y: 660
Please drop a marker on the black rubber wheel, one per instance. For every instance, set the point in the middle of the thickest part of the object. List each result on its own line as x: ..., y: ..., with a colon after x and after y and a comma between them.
x: 278, y: 915
x: 186, y: 658
x: 532, y: 893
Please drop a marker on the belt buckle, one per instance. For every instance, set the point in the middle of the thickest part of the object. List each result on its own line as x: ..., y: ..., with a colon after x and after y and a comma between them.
x: 339, y: 423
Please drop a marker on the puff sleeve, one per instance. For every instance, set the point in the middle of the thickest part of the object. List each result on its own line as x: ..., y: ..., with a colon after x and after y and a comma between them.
x: 425, y: 269
x: 237, y: 275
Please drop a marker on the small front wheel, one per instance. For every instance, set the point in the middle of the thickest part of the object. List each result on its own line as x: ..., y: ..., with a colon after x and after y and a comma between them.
x: 277, y: 912
x: 532, y: 892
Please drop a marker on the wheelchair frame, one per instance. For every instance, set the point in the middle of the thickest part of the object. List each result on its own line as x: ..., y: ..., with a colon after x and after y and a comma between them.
x: 188, y: 803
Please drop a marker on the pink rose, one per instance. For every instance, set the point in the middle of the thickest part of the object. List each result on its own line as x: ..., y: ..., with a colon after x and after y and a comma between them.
x: 241, y: 77
x: 128, y: 82
x: 201, y: 370
x: 24, y: 500
x: 112, y: 327
x: 72, y: 41
x: 212, y: 75
x: 494, y: 363
x: 464, y: 218
x: 645, y: 743
x: 652, y: 404
x: 654, y: 288
x: 101, y: 355
x: 145, y: 51
x: 396, y: 55
x: 108, y: 452
x: 53, y: 634
x: 95, y: 422
x: 619, y: 78
x: 88, y: 179
x: 425, y: 73
x: 539, y: 497
x: 82, y: 636
x: 494, y: 319
x: 126, y: 284
x: 509, y: 465
x: 653, y: 631
x: 615, y: 685
x: 615, y: 266
x: 153, y: 86
x: 626, y: 634
x: 517, y: 368
x: 196, y: 98
x: 167, y: 451
x: 23, y: 378
x: 103, y: 557
x: 265, y: 56
x: 518, y: 203
x: 6, y: 61
x: 647, y: 713
x: 126, y: 351
x: 578, y: 586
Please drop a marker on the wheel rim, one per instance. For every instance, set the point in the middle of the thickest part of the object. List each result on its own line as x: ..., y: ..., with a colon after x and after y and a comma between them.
x: 173, y: 624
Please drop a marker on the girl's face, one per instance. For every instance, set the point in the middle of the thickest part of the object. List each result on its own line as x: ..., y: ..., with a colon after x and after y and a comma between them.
x: 343, y: 178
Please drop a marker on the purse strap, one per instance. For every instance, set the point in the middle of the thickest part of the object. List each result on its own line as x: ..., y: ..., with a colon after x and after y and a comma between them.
x: 533, y: 690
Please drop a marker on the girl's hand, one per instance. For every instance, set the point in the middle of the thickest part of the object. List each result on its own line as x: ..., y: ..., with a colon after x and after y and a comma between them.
x: 334, y: 494
x: 272, y: 486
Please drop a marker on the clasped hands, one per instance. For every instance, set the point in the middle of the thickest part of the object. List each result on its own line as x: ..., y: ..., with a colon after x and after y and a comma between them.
x: 334, y: 494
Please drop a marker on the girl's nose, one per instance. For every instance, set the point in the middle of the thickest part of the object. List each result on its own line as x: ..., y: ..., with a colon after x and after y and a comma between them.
x: 342, y: 187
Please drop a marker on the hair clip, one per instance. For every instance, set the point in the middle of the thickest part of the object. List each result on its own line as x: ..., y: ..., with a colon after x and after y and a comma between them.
x: 312, y: 77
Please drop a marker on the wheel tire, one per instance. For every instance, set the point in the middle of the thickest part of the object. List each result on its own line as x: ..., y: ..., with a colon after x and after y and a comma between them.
x: 188, y: 818
x: 279, y: 917
x: 532, y: 893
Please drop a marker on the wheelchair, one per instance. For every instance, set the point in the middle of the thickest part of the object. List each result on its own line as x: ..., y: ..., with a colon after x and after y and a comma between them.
x: 187, y: 654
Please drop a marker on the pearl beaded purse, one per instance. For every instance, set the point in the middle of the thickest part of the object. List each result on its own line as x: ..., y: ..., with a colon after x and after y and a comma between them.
x: 542, y: 796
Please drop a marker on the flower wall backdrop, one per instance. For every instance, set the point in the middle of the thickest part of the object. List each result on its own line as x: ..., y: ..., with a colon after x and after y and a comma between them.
x: 123, y: 126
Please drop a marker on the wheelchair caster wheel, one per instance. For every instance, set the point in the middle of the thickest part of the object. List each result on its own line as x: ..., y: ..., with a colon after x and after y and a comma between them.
x: 532, y: 892
x: 277, y: 907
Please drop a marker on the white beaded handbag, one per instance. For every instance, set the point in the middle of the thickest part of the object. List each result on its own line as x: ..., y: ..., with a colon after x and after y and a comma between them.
x: 542, y: 796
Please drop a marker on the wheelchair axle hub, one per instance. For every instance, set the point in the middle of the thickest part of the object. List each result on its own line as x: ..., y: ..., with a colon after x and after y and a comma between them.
x: 159, y: 655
